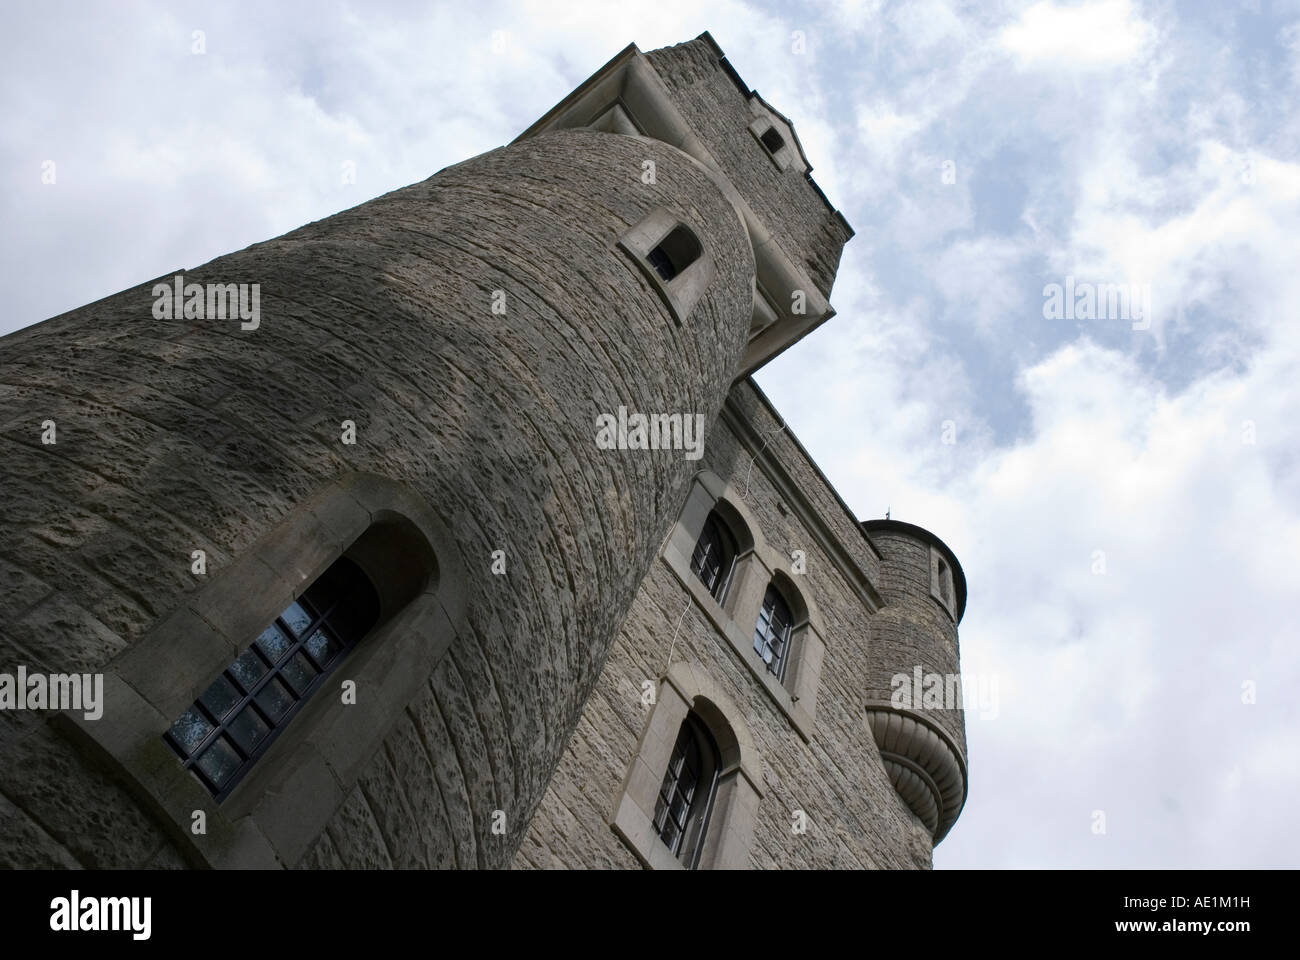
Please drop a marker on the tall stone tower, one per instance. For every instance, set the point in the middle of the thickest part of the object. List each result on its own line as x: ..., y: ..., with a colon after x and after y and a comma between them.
x: 450, y: 531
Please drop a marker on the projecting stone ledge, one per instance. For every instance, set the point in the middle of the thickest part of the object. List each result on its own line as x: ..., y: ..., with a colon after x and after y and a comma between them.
x: 924, y: 765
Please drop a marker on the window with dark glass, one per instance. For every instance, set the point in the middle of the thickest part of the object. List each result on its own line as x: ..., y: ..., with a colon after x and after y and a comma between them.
x: 772, y: 140
x: 945, y: 583
x: 772, y: 634
x: 714, y: 556
x: 235, y: 720
x: 675, y: 252
x: 686, y: 795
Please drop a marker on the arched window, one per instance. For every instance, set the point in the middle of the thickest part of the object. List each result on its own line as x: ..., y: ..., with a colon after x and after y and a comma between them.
x: 941, y: 582
x: 714, y: 556
x: 381, y: 581
x: 675, y: 252
x: 945, y: 583
x: 686, y: 795
x: 235, y: 720
x: 691, y: 795
x: 772, y: 633
x: 671, y: 258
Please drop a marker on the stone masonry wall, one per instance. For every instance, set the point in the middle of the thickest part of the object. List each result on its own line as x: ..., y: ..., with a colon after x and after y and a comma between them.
x: 807, y: 229
x: 176, y: 435
x: 856, y: 820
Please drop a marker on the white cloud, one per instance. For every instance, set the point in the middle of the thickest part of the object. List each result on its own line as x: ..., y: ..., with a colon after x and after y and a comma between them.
x: 1089, y: 34
x: 982, y: 282
x: 166, y: 158
x: 885, y: 131
x: 1121, y: 677
x: 928, y: 23
x: 1228, y: 251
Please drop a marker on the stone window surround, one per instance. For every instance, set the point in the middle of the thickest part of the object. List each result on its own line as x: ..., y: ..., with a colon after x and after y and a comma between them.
x: 938, y: 581
x: 692, y: 784
x: 682, y: 292
x: 766, y: 116
x: 756, y: 566
x: 729, y: 549
x: 280, y: 808
x: 730, y: 830
x: 630, y: 84
x: 780, y: 158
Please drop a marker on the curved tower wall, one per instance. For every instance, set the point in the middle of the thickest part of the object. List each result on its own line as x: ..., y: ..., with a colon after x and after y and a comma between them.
x: 921, y: 730
x: 183, y: 434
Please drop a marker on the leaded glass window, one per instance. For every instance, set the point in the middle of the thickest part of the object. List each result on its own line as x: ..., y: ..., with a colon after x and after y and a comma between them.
x: 686, y: 795
x: 236, y: 719
x: 772, y: 633
x: 714, y: 556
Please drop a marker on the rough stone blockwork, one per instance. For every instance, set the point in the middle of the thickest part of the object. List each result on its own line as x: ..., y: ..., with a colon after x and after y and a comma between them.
x: 791, y: 206
x: 177, y: 435
x: 856, y: 820
x: 913, y: 630
x: 184, y: 434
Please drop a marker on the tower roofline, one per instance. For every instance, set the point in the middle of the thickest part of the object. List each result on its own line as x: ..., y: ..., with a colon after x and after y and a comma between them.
x: 578, y: 94
x: 629, y: 96
x: 751, y: 93
x: 920, y: 533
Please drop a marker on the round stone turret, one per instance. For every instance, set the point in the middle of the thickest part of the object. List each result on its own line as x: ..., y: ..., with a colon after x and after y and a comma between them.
x: 914, y: 705
x: 462, y: 337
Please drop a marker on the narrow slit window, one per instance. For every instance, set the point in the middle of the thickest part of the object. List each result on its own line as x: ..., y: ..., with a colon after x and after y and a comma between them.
x: 945, y: 588
x: 772, y: 140
x: 674, y: 253
x: 235, y: 720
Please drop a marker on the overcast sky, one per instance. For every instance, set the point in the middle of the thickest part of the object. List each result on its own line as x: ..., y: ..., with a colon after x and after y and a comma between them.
x: 1125, y: 502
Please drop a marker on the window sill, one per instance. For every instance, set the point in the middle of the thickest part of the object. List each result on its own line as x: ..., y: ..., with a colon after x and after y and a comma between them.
x: 947, y: 610
x: 637, y: 831
x: 657, y: 283
x: 128, y: 737
x: 798, y: 717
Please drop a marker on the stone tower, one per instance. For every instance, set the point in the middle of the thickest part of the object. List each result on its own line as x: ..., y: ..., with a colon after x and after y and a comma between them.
x: 375, y: 534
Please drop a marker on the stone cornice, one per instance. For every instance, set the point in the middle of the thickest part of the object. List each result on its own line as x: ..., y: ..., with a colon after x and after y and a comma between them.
x: 630, y: 87
x: 738, y: 421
